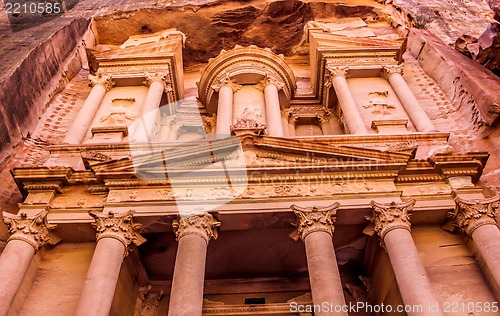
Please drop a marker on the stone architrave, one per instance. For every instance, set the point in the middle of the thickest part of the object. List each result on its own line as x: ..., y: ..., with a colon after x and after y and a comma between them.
x: 392, y: 224
x: 116, y: 235
x: 81, y: 124
x: 393, y: 74
x: 477, y: 219
x: 193, y: 234
x: 351, y: 114
x: 315, y: 228
x: 28, y: 233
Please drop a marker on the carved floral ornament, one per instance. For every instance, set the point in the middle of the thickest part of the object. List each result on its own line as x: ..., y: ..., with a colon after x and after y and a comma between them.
x: 203, y: 225
x: 33, y: 229
x: 387, y: 217
x: 469, y: 215
x: 389, y: 70
x: 163, y: 78
x: 316, y: 219
x: 118, y: 226
x: 105, y: 81
x: 225, y: 80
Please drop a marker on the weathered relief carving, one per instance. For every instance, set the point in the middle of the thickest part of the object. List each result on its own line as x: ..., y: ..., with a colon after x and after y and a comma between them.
x: 32, y: 229
x: 314, y: 219
x: 380, y: 106
x: 118, y: 226
x: 204, y: 226
x: 390, y: 216
x: 469, y: 215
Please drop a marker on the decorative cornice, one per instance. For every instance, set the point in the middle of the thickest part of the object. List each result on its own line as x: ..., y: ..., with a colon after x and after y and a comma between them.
x: 389, y: 70
x: 315, y: 219
x: 118, y: 226
x: 32, y: 229
x: 390, y: 216
x: 204, y: 226
x: 106, y: 81
x: 469, y: 215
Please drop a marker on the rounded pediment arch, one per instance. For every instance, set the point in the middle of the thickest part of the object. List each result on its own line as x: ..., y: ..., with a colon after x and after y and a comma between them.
x: 245, y: 66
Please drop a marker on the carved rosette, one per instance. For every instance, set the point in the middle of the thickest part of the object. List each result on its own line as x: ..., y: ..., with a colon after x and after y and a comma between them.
x: 226, y: 81
x: 105, y: 81
x: 33, y: 229
x: 470, y: 215
x: 120, y: 227
x: 316, y: 219
x: 389, y: 70
x: 204, y: 226
x: 387, y: 217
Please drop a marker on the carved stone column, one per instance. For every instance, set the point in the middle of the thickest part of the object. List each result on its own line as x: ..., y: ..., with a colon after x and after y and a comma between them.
x: 157, y: 84
x: 353, y: 118
x: 477, y: 220
x: 226, y: 89
x: 284, y: 122
x: 174, y: 132
x: 417, y: 115
x: 273, y: 109
x: 315, y: 228
x: 392, y: 224
x: 116, y: 235
x: 326, y: 127
x: 28, y: 233
x: 166, y: 127
x: 82, y: 122
x: 292, y: 124
x: 193, y: 233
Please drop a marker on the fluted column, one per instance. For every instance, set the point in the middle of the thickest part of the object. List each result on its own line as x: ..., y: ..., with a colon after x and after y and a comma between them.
x: 477, y: 220
x: 353, y: 118
x: 81, y: 124
x: 193, y: 234
x: 392, y: 225
x: 226, y: 88
x: 315, y: 227
x: 116, y: 235
x: 412, y: 107
x: 157, y: 84
x: 28, y: 233
x: 273, y: 109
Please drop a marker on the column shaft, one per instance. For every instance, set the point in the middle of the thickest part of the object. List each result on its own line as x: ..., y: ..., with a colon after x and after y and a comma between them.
x: 284, y: 122
x: 189, y: 275
x: 165, y: 129
x: 102, y: 276
x: 487, y: 241
x: 417, y: 115
x: 14, y: 262
x: 224, y: 112
x: 326, y: 128
x: 352, y: 117
x: 273, y: 111
x: 82, y: 122
x: 324, y: 276
x: 412, y: 279
x: 144, y: 128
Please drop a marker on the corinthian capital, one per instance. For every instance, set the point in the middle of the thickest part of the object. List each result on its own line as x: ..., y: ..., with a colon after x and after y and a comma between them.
x: 470, y: 215
x: 158, y: 77
x: 389, y: 70
x: 204, y: 226
x: 105, y: 81
x: 33, y: 229
x: 316, y: 219
x: 267, y: 81
x: 337, y: 71
x: 226, y: 81
x: 118, y: 226
x: 387, y: 217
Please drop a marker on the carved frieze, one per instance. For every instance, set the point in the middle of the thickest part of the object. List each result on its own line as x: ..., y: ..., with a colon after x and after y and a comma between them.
x: 469, y: 215
x: 314, y: 219
x: 118, y: 226
x: 390, y: 216
x: 204, y: 226
x: 32, y: 229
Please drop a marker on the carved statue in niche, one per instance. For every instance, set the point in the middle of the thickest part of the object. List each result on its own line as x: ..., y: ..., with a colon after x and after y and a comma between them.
x: 120, y: 112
